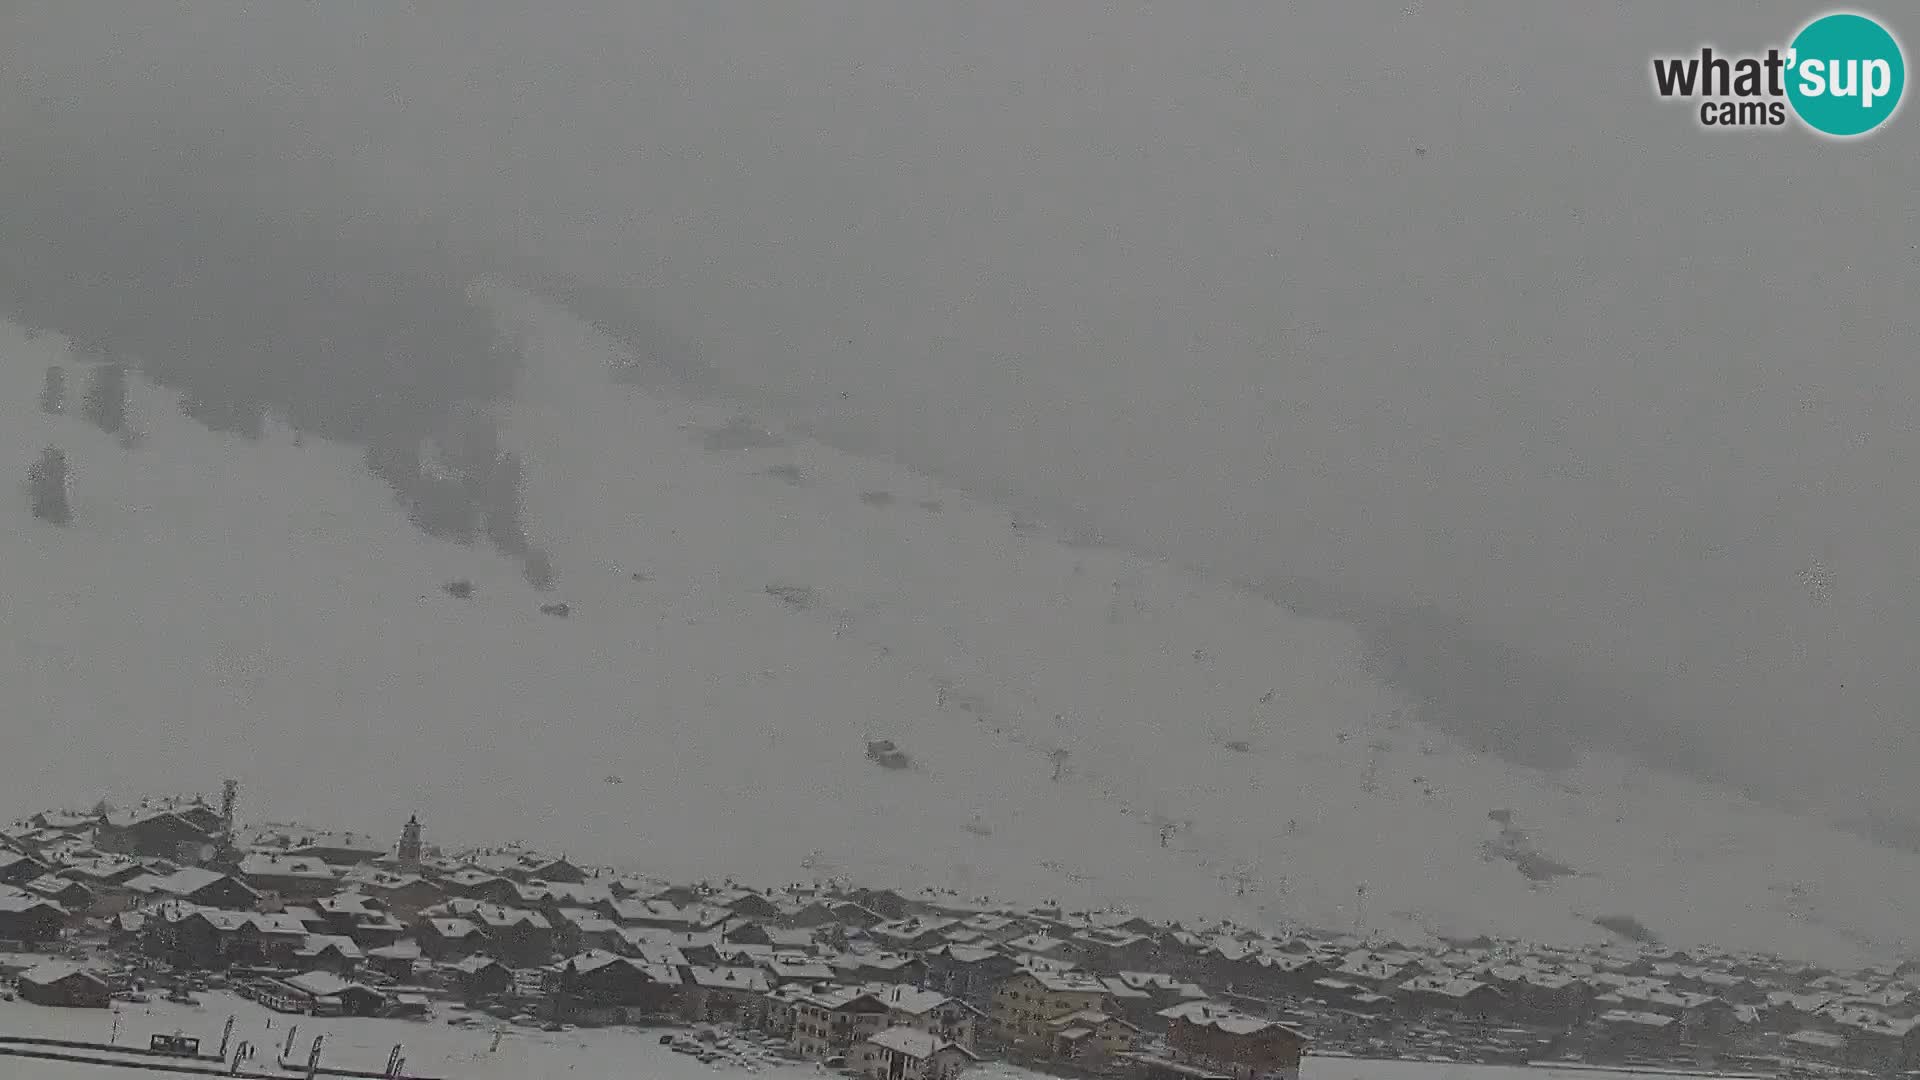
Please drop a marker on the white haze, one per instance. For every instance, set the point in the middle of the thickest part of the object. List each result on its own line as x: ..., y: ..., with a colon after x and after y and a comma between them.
x: 1565, y: 410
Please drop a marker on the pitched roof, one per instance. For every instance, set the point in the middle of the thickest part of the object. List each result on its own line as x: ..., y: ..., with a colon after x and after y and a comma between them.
x: 911, y: 999
x: 319, y: 943
x: 54, y: 971
x: 915, y: 1043
x: 1066, y: 982
x: 1222, y: 1018
x: 729, y: 978
x: 15, y: 903
x: 268, y: 864
x: 321, y: 983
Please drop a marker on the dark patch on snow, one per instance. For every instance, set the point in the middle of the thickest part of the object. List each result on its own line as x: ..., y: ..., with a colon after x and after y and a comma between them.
x: 931, y: 506
x: 1085, y: 538
x: 53, y: 392
x: 1627, y: 927
x: 739, y: 433
x: 877, y: 498
x: 558, y: 611
x: 462, y: 589
x: 1238, y: 746
x: 790, y: 473
x: 47, y: 487
x: 884, y: 753
x: 797, y: 597
x: 104, y: 404
x: 1513, y: 846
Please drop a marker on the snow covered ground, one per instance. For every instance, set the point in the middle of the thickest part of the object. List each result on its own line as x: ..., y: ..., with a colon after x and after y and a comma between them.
x: 740, y: 621
x: 435, y: 1049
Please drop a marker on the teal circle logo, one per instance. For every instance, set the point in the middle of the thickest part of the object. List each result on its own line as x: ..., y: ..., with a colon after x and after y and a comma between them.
x: 1847, y: 75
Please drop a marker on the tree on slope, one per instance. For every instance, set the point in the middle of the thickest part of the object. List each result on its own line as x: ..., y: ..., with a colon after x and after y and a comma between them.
x: 47, y: 487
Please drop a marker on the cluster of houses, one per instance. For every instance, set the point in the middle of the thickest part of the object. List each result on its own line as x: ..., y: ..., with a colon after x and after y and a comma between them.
x: 879, y: 983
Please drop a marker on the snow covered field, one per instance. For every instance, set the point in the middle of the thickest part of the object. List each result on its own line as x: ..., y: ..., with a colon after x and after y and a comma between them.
x: 740, y: 621
x: 435, y: 1049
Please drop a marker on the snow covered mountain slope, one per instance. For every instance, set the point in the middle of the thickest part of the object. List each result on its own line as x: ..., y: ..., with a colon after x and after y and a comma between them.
x: 743, y: 613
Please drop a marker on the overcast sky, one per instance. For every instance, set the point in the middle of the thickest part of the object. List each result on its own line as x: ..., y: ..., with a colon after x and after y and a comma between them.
x: 1597, y: 422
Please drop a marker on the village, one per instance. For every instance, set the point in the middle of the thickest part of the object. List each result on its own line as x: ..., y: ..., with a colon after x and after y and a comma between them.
x: 169, y: 897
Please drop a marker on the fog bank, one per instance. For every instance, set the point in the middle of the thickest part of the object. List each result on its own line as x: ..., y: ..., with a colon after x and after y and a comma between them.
x: 1428, y: 317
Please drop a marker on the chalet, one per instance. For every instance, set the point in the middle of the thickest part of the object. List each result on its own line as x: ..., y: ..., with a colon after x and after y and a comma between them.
x: 201, y: 886
x: 931, y: 1012
x: 1881, y: 1045
x: 665, y: 915
x: 66, y: 892
x: 447, y: 938
x: 1372, y: 971
x: 1025, y: 1005
x: 883, y: 902
x: 725, y: 994
x: 360, y: 917
x: 551, y: 896
x: 1052, y: 948
x: 789, y: 969
x: 556, y: 871
x: 694, y: 948
x: 324, y: 992
x: 969, y: 974
x: 753, y: 956
x: 1281, y: 972
x: 289, y: 877
x: 212, y: 939
x: 880, y: 967
x: 1627, y: 1033
x: 515, y: 935
x: 103, y: 870
x: 914, y: 932
x: 582, y: 929
x: 1093, y: 1036
x: 827, y: 1023
x: 1138, y: 996
x: 65, y: 986
x: 395, y: 961
x: 677, y: 895
x: 777, y: 1010
x: 813, y: 914
x: 1215, y: 1037
x: 1545, y: 997
x: 17, y: 869
x: 852, y: 914
x: 995, y: 926
x: 747, y: 932
x: 482, y: 977
x: 1460, y: 999
x: 1110, y: 951
x: 342, y: 851
x: 745, y: 903
x: 328, y: 952
x: 153, y: 833
x: 902, y: 1053
x: 30, y: 919
x: 596, y: 981
x: 62, y: 821
x: 404, y: 895
x: 482, y: 886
